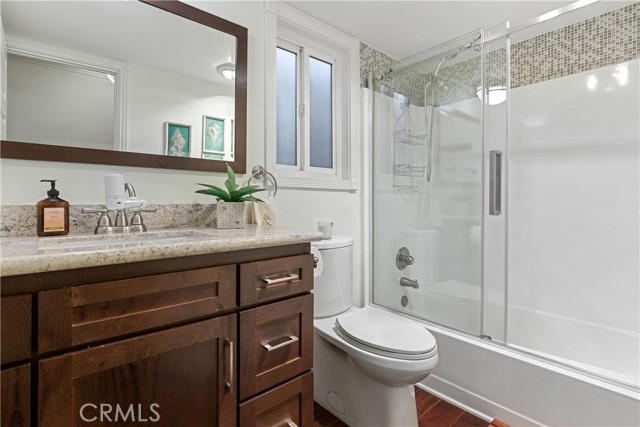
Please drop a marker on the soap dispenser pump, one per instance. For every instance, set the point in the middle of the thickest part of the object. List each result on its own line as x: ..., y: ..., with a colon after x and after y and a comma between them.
x: 53, y: 213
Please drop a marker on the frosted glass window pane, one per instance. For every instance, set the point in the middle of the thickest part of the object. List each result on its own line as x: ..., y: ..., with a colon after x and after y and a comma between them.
x: 320, y: 110
x: 286, y: 106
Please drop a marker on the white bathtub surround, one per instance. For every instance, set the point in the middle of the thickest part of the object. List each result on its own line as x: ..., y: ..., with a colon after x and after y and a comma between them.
x: 554, y: 279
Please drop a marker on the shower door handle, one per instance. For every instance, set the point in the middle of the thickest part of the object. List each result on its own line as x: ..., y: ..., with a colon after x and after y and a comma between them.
x: 495, y: 182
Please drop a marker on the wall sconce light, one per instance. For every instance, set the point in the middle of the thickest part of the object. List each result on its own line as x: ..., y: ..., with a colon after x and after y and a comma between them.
x: 227, y: 70
x: 495, y: 94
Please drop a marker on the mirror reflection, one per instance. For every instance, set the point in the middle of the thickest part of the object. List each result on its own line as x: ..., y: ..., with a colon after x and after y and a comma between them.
x: 124, y: 76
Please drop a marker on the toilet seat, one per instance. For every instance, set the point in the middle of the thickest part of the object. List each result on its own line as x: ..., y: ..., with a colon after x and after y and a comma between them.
x: 385, y: 334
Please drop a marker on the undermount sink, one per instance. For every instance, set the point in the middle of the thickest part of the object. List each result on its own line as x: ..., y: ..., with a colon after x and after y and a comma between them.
x: 137, y: 239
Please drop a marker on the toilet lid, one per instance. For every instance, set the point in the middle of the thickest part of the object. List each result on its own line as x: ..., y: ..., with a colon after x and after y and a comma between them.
x: 386, y: 334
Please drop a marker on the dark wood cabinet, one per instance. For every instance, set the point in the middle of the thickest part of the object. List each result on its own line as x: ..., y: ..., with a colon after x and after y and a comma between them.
x: 177, y: 342
x: 84, y: 314
x: 182, y: 376
x: 15, y: 326
x: 15, y: 405
x: 288, y: 405
x: 276, y: 343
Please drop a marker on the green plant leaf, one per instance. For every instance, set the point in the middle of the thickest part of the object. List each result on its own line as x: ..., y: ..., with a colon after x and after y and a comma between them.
x: 217, y: 192
x: 230, y: 183
x: 231, y: 192
x: 242, y: 194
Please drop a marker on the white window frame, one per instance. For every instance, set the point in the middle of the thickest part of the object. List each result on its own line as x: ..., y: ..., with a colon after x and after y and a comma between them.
x: 289, y: 28
x: 60, y: 55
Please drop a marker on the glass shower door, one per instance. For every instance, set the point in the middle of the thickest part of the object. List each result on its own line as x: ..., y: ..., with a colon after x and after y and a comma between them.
x: 427, y: 186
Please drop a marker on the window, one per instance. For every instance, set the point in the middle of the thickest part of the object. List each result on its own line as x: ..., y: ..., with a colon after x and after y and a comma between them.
x: 311, y: 103
x: 305, y: 94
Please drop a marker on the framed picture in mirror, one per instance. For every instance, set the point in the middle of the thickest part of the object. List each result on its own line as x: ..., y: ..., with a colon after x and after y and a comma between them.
x: 213, y: 140
x: 177, y: 139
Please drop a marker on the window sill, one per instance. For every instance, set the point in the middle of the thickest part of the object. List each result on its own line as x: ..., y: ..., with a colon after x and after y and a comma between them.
x: 317, y: 183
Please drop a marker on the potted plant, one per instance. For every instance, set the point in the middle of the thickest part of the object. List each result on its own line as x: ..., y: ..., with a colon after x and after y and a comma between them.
x: 231, y: 207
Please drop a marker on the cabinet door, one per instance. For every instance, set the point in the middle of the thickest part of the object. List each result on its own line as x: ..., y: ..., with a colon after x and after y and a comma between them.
x: 276, y: 343
x: 183, y: 376
x: 15, y: 314
x: 288, y: 405
x: 85, y: 314
x: 16, y: 395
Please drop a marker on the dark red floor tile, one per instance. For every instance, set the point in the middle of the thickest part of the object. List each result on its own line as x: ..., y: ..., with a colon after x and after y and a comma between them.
x: 469, y: 420
x: 322, y: 417
x: 424, y: 401
x: 442, y: 414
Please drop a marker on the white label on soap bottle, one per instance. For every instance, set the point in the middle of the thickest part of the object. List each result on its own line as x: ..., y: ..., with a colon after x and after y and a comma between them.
x: 53, y: 219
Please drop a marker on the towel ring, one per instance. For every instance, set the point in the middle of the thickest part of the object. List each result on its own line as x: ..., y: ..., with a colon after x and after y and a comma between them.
x: 259, y: 172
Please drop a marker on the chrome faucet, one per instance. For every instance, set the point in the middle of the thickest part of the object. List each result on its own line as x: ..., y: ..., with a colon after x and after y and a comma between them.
x: 409, y: 283
x: 118, y: 201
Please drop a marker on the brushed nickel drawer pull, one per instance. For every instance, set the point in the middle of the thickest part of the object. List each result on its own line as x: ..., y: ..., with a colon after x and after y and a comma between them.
x: 288, y: 278
x: 229, y: 385
x: 291, y: 340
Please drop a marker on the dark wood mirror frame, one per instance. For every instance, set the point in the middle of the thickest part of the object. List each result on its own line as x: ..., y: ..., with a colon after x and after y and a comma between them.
x: 52, y: 153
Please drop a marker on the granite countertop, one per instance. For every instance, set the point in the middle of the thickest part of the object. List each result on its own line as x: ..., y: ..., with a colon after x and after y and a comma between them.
x: 24, y: 255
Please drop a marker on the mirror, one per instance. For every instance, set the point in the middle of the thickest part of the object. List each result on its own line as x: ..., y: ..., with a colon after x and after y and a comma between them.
x: 155, y: 70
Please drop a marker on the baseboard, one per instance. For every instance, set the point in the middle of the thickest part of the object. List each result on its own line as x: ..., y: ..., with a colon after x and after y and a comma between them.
x: 473, y: 403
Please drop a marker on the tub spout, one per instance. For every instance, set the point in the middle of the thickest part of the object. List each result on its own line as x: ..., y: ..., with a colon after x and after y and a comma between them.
x: 409, y: 283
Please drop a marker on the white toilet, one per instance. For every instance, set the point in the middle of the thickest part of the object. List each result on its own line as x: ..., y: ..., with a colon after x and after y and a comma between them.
x: 365, y: 360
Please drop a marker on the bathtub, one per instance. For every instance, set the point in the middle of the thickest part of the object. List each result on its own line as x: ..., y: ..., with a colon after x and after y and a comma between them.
x: 515, y: 384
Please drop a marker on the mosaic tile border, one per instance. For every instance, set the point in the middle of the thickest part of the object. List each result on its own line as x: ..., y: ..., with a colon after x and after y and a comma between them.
x: 604, y: 40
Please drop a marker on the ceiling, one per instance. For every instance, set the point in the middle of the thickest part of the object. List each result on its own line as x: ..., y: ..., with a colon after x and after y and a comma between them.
x: 126, y: 31
x: 404, y: 28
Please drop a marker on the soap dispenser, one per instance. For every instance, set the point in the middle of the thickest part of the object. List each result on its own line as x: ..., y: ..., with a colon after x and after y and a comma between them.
x: 53, y: 213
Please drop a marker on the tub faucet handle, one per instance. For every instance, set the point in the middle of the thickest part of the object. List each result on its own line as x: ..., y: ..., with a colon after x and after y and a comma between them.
x: 403, y: 258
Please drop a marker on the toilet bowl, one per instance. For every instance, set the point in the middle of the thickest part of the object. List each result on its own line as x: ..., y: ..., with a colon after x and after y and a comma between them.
x: 366, y: 360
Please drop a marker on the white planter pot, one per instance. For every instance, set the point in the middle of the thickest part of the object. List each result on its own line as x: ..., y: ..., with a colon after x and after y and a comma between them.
x: 231, y: 214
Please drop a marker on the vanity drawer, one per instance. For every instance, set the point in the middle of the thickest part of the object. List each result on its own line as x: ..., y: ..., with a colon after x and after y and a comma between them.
x: 268, y: 280
x: 288, y: 405
x: 15, y: 325
x: 276, y: 343
x: 84, y: 314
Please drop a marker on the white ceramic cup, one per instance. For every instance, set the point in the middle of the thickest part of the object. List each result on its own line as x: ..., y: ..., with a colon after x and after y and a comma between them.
x: 326, y: 228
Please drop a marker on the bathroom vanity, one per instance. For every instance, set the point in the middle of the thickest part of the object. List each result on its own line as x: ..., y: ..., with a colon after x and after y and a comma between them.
x: 194, y: 328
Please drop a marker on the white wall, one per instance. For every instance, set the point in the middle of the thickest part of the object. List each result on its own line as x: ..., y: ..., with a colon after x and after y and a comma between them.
x: 80, y: 184
x: 155, y: 97
x: 56, y: 104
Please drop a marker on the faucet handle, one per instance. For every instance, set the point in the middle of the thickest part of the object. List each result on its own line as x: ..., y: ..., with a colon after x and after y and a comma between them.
x: 121, y: 218
x: 403, y: 258
x: 137, y: 225
x: 104, y: 222
x: 94, y: 210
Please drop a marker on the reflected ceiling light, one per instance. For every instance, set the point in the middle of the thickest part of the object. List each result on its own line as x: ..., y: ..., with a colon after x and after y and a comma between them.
x: 227, y: 70
x: 592, y: 82
x: 621, y: 74
x: 495, y: 94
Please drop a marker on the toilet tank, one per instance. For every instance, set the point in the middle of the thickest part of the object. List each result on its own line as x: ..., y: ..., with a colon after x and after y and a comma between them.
x: 333, y: 278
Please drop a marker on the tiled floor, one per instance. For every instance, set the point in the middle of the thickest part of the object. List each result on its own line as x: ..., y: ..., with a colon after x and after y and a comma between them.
x: 432, y: 412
